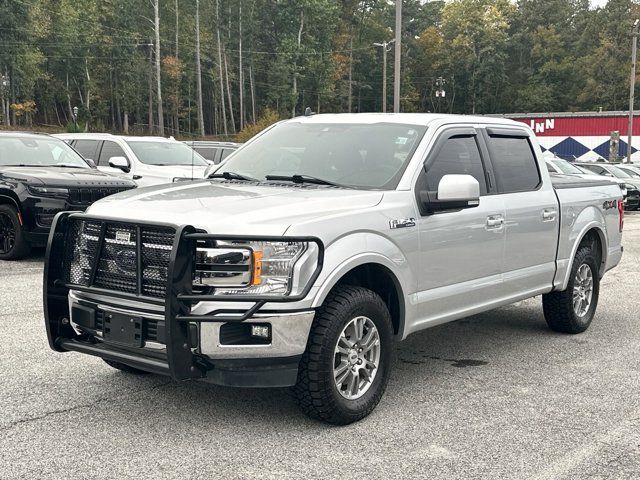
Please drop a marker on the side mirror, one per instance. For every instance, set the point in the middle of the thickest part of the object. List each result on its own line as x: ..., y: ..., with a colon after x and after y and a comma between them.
x: 455, y: 192
x: 121, y: 163
x: 91, y: 163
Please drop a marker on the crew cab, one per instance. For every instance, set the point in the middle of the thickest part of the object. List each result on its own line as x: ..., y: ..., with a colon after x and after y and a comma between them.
x: 39, y: 177
x: 321, y: 242
x: 145, y: 160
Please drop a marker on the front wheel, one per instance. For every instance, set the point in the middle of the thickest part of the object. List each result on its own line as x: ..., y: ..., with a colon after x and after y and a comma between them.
x: 345, y: 368
x: 13, y: 245
x: 573, y: 309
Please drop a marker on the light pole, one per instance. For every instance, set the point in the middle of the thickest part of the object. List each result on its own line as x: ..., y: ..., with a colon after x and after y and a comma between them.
x: 385, y: 48
x: 396, y: 60
x: 632, y: 87
x: 75, y: 117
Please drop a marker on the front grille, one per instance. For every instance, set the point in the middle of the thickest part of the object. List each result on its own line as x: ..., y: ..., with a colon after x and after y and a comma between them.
x: 121, y: 257
x: 86, y: 196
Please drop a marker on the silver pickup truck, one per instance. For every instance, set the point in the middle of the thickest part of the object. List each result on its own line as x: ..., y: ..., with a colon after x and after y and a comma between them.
x: 320, y: 243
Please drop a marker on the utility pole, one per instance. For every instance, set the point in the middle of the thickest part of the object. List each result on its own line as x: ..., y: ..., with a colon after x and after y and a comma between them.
x: 632, y: 87
x: 385, y: 48
x: 156, y: 14
x: 199, y: 72
x: 396, y: 71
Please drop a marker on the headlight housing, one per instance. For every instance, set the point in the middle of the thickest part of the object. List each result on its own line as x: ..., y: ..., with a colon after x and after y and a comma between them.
x: 256, y: 268
x: 630, y: 186
x: 48, y: 191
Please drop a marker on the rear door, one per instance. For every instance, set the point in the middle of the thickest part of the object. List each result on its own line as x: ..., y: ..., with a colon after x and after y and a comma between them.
x: 531, y: 211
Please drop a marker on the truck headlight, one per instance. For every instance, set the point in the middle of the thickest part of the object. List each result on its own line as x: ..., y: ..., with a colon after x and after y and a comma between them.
x: 256, y: 268
x: 49, y: 191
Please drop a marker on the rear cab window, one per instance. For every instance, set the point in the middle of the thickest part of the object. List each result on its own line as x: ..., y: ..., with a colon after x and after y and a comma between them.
x: 513, y: 160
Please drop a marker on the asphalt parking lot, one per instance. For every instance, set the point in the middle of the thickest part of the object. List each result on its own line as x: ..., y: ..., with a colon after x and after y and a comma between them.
x: 494, y: 396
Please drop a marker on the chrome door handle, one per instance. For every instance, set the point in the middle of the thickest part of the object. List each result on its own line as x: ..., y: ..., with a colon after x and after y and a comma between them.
x: 495, y: 221
x: 548, y: 215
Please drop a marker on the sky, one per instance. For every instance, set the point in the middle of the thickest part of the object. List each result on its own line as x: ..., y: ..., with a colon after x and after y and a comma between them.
x: 598, y: 3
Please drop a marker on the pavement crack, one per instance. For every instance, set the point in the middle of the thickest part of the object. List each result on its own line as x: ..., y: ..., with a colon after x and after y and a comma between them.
x: 97, y: 401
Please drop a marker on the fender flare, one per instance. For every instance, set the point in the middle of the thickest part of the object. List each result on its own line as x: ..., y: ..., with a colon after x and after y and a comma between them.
x: 593, y: 225
x: 365, y: 258
x: 4, y: 195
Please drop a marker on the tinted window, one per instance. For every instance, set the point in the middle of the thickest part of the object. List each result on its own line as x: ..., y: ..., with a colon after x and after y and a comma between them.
x: 458, y: 156
x: 594, y: 169
x: 86, y: 148
x: 225, y: 153
x: 514, y: 164
x: 207, y: 152
x: 109, y: 150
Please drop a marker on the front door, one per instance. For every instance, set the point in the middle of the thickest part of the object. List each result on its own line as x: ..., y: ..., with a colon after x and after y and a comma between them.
x: 461, y: 251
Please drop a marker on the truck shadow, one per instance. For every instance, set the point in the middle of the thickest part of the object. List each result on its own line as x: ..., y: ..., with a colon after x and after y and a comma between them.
x: 454, y: 349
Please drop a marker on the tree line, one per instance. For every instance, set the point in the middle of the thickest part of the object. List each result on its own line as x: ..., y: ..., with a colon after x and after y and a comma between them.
x: 220, y: 67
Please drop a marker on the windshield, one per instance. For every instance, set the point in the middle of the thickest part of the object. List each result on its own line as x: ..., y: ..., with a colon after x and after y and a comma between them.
x: 618, y: 173
x: 366, y: 156
x: 631, y: 172
x: 566, y: 167
x: 38, y: 152
x: 166, y: 153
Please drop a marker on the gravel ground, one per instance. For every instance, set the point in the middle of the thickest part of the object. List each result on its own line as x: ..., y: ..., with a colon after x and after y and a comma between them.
x: 494, y: 396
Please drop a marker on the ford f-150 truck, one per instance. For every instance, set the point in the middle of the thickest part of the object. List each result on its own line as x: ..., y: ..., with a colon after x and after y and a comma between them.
x: 321, y: 242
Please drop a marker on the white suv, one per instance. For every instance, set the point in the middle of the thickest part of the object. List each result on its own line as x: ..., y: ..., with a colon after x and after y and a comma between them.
x: 146, y: 160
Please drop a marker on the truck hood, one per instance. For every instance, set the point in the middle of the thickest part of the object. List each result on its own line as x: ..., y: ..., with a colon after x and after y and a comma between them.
x: 63, y: 177
x: 233, y: 207
x: 178, y: 171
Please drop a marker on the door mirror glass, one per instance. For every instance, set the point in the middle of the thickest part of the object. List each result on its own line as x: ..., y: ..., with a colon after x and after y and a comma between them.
x: 121, y: 163
x: 455, y: 192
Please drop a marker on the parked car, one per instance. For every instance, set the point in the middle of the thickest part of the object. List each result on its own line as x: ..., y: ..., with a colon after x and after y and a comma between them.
x: 39, y: 177
x: 213, y: 152
x: 613, y: 171
x: 145, y: 160
x: 319, y: 243
x: 632, y: 170
x: 560, y: 166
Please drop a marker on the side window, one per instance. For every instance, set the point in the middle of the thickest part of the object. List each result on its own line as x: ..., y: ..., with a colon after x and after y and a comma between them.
x: 514, y: 164
x: 207, y: 152
x: 550, y: 169
x: 86, y: 148
x: 594, y: 169
x: 109, y: 150
x: 225, y: 153
x: 458, y: 155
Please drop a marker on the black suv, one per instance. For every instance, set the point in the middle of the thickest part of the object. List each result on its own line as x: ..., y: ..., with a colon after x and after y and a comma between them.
x: 40, y: 176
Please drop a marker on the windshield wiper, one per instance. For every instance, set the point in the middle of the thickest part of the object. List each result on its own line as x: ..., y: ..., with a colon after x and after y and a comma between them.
x: 233, y: 176
x: 303, y: 179
x: 66, y: 165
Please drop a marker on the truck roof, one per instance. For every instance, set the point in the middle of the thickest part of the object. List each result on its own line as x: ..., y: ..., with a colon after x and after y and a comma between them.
x: 106, y: 136
x: 406, y: 118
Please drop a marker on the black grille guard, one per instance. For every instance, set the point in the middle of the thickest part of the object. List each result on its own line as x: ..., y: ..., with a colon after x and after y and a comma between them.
x: 181, y: 362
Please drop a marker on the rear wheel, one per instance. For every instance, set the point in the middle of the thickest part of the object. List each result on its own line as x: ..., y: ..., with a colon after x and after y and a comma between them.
x: 125, y: 368
x: 13, y: 245
x: 572, y: 310
x: 345, y: 369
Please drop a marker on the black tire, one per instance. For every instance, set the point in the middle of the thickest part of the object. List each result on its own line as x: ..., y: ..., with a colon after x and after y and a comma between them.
x: 316, y: 390
x: 558, y: 306
x: 125, y: 368
x: 13, y: 245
